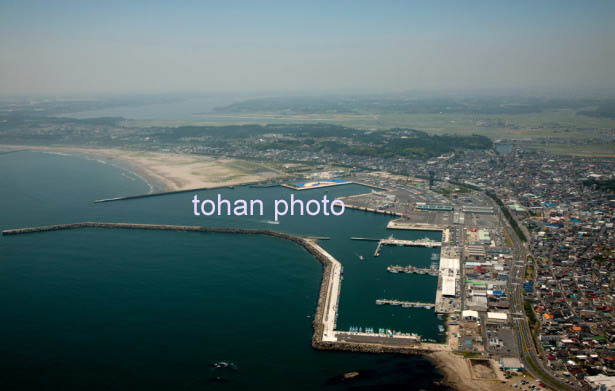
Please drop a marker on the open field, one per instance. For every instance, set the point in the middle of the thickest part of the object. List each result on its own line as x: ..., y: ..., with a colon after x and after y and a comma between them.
x: 563, y: 124
x: 594, y: 150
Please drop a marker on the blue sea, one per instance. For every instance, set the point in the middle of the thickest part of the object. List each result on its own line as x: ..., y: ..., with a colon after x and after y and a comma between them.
x: 97, y: 309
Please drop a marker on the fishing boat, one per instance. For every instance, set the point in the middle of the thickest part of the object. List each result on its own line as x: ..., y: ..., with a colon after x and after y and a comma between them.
x: 221, y: 364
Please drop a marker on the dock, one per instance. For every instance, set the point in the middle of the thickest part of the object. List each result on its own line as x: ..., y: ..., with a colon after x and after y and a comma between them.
x: 409, y: 225
x: 413, y: 270
x: 403, y: 242
x: 391, y: 241
x: 406, y: 304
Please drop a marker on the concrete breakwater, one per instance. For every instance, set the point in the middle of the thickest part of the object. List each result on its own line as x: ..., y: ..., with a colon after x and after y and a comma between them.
x: 162, y: 193
x: 325, y: 335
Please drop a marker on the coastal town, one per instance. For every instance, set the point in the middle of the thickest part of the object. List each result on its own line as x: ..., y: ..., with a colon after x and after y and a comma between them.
x: 331, y: 195
x: 533, y: 251
x: 523, y: 264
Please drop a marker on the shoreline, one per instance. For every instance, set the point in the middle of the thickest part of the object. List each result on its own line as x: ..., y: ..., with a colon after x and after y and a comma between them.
x: 153, y: 183
x: 165, y: 171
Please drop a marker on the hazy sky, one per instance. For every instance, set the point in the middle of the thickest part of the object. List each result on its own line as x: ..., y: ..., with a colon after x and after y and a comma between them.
x: 107, y: 46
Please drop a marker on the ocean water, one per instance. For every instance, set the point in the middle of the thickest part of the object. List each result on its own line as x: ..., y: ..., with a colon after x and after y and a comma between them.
x: 124, y: 309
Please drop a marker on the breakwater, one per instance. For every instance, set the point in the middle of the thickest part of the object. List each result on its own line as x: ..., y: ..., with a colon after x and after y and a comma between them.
x: 13, y: 151
x: 325, y: 337
x: 162, y: 193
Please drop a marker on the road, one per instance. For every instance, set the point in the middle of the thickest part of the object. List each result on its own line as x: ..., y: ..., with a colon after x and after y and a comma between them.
x: 527, y: 348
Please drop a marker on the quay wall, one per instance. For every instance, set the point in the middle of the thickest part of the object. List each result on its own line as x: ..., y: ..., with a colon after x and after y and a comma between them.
x: 386, y: 212
x: 415, y: 350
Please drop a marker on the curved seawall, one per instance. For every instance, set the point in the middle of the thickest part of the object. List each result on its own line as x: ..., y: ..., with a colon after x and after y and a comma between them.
x: 324, y: 337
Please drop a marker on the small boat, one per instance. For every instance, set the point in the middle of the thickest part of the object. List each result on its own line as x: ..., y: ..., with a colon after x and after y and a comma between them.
x: 361, y: 257
x: 220, y: 364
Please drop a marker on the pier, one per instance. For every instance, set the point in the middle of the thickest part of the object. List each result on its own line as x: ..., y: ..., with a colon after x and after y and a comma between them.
x: 391, y: 241
x: 408, y: 225
x: 406, y: 304
x: 403, y: 242
x: 413, y: 270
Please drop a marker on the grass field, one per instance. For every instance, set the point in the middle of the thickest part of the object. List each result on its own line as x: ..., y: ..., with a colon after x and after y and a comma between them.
x: 533, y: 130
x: 595, y: 150
x: 565, y: 123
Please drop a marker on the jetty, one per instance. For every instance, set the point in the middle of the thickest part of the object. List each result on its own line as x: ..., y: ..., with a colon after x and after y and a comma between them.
x: 406, y: 304
x: 410, y: 225
x: 413, y: 270
x: 391, y: 241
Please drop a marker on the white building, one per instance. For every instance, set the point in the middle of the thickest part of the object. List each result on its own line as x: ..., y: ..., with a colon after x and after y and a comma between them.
x: 469, y: 315
x: 601, y: 382
x: 497, y: 317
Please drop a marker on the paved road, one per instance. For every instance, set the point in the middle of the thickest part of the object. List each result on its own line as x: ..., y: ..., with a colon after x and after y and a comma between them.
x: 525, y: 341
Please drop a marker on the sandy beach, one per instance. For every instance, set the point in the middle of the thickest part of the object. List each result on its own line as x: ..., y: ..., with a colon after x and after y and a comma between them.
x: 459, y: 375
x: 166, y: 171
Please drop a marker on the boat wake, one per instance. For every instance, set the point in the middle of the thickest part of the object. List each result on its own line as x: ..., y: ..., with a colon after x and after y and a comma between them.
x: 269, y: 222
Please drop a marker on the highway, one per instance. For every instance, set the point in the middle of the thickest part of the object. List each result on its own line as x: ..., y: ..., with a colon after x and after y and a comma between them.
x: 527, y: 348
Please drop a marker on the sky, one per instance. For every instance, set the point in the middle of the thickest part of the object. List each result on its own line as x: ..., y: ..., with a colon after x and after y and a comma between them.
x: 67, y: 47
